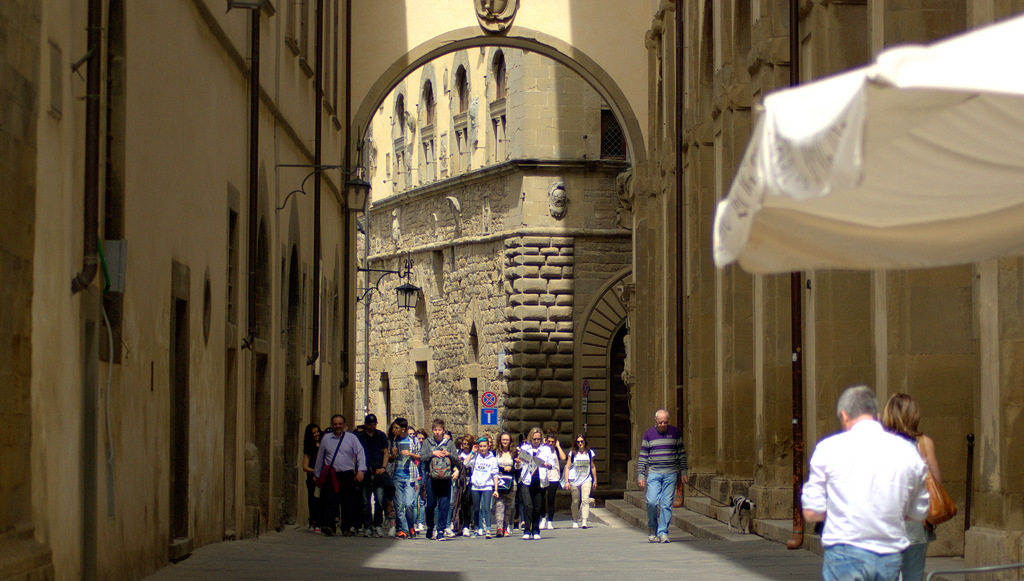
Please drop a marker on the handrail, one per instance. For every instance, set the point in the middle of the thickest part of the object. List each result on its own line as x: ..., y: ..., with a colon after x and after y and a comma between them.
x: 986, y: 569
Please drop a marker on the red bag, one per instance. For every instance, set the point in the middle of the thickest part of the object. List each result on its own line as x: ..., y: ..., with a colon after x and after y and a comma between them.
x: 327, y: 475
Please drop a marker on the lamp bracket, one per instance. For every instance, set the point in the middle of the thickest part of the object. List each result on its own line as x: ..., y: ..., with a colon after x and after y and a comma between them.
x: 383, y: 272
x: 315, y: 170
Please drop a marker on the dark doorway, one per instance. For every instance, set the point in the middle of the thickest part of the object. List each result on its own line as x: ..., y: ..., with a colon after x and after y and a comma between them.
x: 619, y: 431
x: 179, y: 444
x: 261, y: 437
x: 292, y: 392
x: 423, y: 382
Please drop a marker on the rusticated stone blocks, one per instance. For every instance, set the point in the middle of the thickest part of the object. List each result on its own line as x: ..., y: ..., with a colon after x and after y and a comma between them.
x: 540, y: 329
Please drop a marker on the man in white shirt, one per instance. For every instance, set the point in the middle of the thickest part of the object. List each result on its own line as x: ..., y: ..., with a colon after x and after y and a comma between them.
x: 867, y: 481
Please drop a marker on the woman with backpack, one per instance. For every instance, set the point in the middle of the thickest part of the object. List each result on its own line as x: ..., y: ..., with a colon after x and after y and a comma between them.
x: 506, y: 454
x: 582, y: 479
x: 534, y: 461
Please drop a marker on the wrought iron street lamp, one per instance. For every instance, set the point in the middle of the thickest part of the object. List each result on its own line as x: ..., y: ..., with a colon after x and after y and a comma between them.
x: 408, y: 293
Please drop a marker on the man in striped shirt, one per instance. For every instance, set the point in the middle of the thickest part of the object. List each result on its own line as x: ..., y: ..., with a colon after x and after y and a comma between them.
x: 662, y: 460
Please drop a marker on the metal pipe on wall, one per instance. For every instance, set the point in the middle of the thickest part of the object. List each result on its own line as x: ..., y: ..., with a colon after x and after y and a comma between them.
x: 347, y: 237
x: 796, y: 308
x: 680, y: 217
x: 90, y: 210
x: 254, y: 159
x: 318, y: 87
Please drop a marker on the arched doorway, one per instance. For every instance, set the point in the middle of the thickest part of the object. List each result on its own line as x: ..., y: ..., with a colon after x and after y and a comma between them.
x: 293, y: 390
x: 600, y: 363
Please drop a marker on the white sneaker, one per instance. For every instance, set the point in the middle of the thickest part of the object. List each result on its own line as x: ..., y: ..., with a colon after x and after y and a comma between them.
x: 575, y: 525
x: 527, y: 537
x: 543, y: 522
x: 584, y: 525
x: 449, y: 533
x: 550, y: 526
x: 465, y: 531
x: 536, y: 536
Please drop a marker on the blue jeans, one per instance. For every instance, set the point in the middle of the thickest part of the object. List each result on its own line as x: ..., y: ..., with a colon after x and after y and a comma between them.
x: 849, y: 563
x: 482, y: 509
x: 373, y: 515
x: 913, y: 562
x: 661, y: 488
x: 405, y: 499
x: 438, y: 504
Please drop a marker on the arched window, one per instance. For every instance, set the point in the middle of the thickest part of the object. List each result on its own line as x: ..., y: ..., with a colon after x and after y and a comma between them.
x: 498, y: 149
x: 428, y: 103
x: 462, y: 89
x: 399, y: 120
x: 428, y: 171
x: 499, y: 76
x: 398, y: 135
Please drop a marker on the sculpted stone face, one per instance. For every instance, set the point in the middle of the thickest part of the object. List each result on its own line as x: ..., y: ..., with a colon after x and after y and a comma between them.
x: 558, y: 200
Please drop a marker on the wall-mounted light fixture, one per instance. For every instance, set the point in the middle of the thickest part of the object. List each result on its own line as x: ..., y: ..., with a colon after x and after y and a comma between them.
x: 357, y: 190
x: 408, y: 293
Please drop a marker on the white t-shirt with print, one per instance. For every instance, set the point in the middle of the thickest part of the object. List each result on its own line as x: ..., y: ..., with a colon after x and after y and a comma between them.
x: 579, y: 470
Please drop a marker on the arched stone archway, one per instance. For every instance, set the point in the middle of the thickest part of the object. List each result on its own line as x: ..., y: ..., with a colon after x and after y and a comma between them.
x: 602, y: 350
x: 553, y: 47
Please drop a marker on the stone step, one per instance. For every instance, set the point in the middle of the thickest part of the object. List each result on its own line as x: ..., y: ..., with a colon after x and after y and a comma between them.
x: 692, y: 522
x: 637, y: 518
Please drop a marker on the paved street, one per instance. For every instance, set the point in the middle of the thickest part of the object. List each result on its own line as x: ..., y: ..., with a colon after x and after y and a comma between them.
x: 604, y: 551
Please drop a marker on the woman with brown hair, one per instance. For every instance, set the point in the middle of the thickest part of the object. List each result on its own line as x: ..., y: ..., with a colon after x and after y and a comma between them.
x: 534, y: 461
x: 582, y: 479
x: 901, y: 417
x: 506, y: 453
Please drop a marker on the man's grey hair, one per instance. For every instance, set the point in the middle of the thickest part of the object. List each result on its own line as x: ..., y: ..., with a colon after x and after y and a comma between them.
x: 660, y: 410
x: 857, y: 401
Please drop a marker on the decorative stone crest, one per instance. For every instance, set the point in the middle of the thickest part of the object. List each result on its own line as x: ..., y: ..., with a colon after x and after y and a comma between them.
x: 495, y: 15
x: 558, y: 200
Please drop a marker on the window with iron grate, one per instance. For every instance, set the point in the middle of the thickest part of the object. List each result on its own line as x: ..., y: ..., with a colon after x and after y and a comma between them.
x: 613, y: 140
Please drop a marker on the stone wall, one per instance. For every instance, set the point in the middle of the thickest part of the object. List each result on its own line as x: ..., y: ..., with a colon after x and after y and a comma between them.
x: 21, y: 557
x: 539, y: 275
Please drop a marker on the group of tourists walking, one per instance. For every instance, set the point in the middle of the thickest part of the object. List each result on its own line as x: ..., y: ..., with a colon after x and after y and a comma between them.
x: 406, y: 483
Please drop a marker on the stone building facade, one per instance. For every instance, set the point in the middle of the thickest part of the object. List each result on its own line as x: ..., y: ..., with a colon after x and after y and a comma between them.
x: 161, y: 410
x: 509, y: 241
x: 20, y: 553
x: 947, y: 336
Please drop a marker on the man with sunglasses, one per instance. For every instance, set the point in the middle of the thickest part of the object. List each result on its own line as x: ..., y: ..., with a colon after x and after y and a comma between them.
x: 662, y: 460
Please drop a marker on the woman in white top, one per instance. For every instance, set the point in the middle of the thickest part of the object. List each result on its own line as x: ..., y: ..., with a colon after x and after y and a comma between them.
x: 582, y: 480
x: 534, y: 461
x: 483, y: 487
x: 506, y: 454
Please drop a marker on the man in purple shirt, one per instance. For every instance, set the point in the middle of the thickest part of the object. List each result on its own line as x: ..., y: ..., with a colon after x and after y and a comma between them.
x: 343, y: 452
x: 662, y: 459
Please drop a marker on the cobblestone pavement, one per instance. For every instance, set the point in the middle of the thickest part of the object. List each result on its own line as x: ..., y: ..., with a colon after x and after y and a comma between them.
x: 613, y: 550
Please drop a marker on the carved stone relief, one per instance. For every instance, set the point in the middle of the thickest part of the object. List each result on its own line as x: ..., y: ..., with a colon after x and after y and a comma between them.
x: 558, y: 200
x: 495, y: 15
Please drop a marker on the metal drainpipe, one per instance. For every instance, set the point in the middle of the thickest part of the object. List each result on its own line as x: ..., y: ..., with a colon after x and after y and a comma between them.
x: 318, y: 118
x: 90, y: 210
x: 254, y: 157
x: 796, y: 308
x: 90, y: 259
x: 346, y: 307
x: 680, y: 245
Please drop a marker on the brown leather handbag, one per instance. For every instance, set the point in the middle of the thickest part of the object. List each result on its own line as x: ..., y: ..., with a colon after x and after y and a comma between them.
x: 941, y: 507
